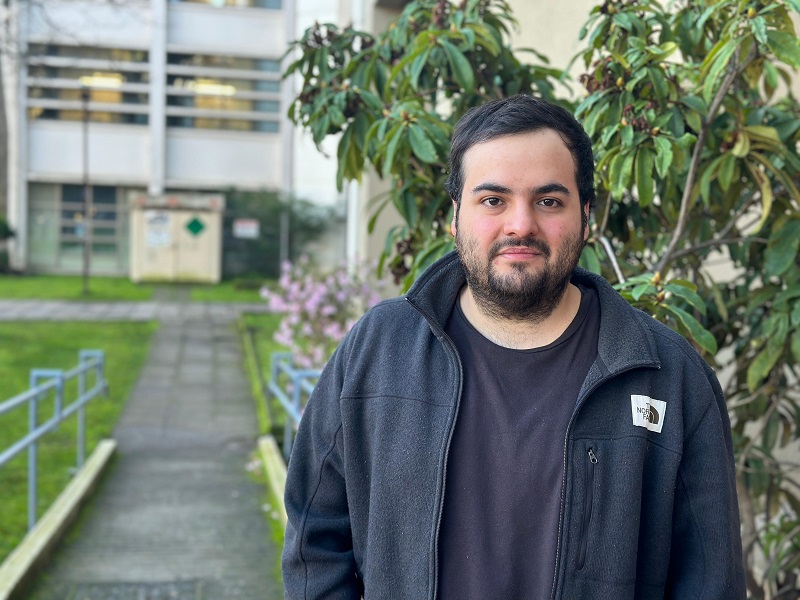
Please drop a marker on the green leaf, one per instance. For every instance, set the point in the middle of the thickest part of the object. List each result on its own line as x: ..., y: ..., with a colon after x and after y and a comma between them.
x: 716, y: 67
x: 589, y: 260
x: 795, y: 345
x: 626, y: 135
x: 394, y: 135
x: 693, y: 298
x: 659, y: 81
x: 641, y: 289
x: 742, y: 146
x: 663, y: 155
x: 726, y: 170
x: 782, y: 248
x: 421, y: 144
x: 766, y: 192
x: 417, y: 66
x: 696, y: 104
x: 759, y: 27
x: 644, y: 175
x: 719, y: 302
x: 696, y: 331
x: 462, y: 70
x: 785, y: 46
x: 761, y: 366
x: 620, y: 173
x: 770, y: 78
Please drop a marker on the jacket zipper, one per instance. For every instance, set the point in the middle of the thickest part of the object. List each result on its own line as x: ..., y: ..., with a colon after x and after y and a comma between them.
x: 451, y: 347
x: 578, y: 407
x: 587, y: 510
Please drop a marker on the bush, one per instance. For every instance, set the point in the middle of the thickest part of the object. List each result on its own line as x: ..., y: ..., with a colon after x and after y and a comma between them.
x: 318, y: 308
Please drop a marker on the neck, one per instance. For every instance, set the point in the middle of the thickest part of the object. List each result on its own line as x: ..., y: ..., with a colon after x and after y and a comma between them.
x: 522, y: 334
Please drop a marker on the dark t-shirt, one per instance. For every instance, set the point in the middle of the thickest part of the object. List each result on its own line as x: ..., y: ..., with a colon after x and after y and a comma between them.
x: 502, y: 498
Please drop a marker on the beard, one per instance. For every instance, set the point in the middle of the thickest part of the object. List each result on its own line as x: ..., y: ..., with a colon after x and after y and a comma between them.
x: 523, y: 294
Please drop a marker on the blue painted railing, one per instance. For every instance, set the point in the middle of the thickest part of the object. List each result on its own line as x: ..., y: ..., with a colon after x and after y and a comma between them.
x: 42, y: 383
x: 292, y: 387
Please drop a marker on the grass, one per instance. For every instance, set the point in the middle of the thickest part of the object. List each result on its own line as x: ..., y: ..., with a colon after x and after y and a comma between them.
x: 66, y: 287
x: 256, y: 332
x: 228, y: 291
x: 24, y: 346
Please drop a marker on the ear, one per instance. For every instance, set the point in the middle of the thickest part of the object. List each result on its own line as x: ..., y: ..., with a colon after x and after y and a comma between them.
x: 453, y: 222
x: 586, y: 210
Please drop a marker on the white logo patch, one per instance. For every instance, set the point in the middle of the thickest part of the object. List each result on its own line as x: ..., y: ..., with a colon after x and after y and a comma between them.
x: 648, y: 412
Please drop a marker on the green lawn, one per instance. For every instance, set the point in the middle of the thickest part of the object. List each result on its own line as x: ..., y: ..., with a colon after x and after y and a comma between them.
x: 257, y: 331
x: 64, y: 287
x: 24, y: 346
x: 228, y: 291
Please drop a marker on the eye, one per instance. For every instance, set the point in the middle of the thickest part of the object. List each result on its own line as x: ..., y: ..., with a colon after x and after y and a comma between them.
x: 549, y: 202
x: 492, y: 201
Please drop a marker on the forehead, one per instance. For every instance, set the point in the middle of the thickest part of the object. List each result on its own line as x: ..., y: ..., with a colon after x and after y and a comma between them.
x: 542, y: 152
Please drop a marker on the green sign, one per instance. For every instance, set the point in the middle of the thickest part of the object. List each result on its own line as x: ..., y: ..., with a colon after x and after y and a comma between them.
x: 195, y: 226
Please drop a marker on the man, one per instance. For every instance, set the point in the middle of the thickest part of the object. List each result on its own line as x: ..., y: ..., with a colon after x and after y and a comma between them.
x: 512, y: 428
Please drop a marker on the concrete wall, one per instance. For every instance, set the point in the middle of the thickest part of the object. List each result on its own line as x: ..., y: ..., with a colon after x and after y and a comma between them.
x: 119, y: 24
x: 118, y: 154
x: 242, y: 32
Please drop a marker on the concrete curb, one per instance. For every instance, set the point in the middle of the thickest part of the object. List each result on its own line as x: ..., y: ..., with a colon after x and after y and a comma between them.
x: 19, y: 565
x: 275, y: 470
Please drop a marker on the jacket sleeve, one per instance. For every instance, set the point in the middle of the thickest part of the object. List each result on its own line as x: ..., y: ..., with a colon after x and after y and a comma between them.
x: 318, y: 560
x: 706, y: 554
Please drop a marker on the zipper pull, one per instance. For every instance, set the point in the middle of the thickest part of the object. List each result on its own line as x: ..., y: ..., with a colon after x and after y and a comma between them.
x: 592, y: 456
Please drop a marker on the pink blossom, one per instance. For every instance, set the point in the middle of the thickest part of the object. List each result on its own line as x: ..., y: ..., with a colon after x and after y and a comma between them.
x: 318, y: 309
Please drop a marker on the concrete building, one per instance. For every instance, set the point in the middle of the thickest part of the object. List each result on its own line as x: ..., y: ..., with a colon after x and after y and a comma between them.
x: 182, y: 98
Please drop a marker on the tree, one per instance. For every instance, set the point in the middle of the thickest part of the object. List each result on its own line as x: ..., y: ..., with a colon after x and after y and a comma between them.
x: 395, y: 99
x: 696, y: 145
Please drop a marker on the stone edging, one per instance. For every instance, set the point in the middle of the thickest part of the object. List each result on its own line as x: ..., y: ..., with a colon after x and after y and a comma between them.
x: 275, y: 471
x: 19, y: 565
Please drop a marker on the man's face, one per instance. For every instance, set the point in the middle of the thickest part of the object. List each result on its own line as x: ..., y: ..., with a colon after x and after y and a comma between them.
x: 518, y: 228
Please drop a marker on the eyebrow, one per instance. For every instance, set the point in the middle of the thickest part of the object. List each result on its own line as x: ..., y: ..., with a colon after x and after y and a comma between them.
x: 547, y: 188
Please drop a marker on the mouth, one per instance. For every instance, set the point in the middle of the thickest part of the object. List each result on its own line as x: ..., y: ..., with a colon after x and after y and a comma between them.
x: 518, y: 253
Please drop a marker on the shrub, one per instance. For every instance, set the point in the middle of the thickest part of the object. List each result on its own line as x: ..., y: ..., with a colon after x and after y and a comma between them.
x: 319, y: 308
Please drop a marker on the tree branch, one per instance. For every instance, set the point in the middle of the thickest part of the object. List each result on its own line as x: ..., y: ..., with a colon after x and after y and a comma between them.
x: 683, y: 217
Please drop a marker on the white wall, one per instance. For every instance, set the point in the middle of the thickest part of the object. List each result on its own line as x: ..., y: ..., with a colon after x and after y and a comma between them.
x: 242, y: 32
x: 118, y: 154
x: 203, y: 158
x: 94, y: 23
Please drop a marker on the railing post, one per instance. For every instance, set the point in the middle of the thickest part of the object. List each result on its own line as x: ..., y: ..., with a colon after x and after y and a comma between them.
x: 81, y: 437
x: 32, y: 458
x: 33, y: 408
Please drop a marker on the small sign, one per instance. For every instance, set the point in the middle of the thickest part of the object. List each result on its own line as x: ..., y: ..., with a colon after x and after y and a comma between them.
x: 195, y: 226
x: 246, y: 229
x: 157, y: 228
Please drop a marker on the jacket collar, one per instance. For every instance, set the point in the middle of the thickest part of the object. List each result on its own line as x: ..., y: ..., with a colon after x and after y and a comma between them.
x: 624, y: 342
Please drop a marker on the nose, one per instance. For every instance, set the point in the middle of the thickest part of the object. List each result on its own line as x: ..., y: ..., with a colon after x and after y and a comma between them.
x: 520, y: 221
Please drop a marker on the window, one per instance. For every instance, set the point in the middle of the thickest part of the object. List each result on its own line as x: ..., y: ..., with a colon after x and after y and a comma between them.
x: 117, y: 80
x: 223, y: 92
x: 273, y: 4
x: 105, y: 219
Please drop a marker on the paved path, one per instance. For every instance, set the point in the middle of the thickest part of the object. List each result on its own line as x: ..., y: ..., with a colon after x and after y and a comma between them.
x: 177, y: 516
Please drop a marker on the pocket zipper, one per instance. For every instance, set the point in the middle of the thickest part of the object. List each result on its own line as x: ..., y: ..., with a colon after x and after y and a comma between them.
x: 587, y: 510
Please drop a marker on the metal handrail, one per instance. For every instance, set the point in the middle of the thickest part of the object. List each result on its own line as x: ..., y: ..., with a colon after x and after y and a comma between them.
x: 299, y: 385
x: 41, y: 382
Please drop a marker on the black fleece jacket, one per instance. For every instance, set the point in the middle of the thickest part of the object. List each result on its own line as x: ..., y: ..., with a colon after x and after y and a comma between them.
x: 649, y: 506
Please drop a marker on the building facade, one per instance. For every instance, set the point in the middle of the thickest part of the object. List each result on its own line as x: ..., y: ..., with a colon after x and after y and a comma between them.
x: 136, y: 97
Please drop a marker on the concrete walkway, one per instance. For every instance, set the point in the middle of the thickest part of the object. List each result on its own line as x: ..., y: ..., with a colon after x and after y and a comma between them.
x: 177, y: 516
